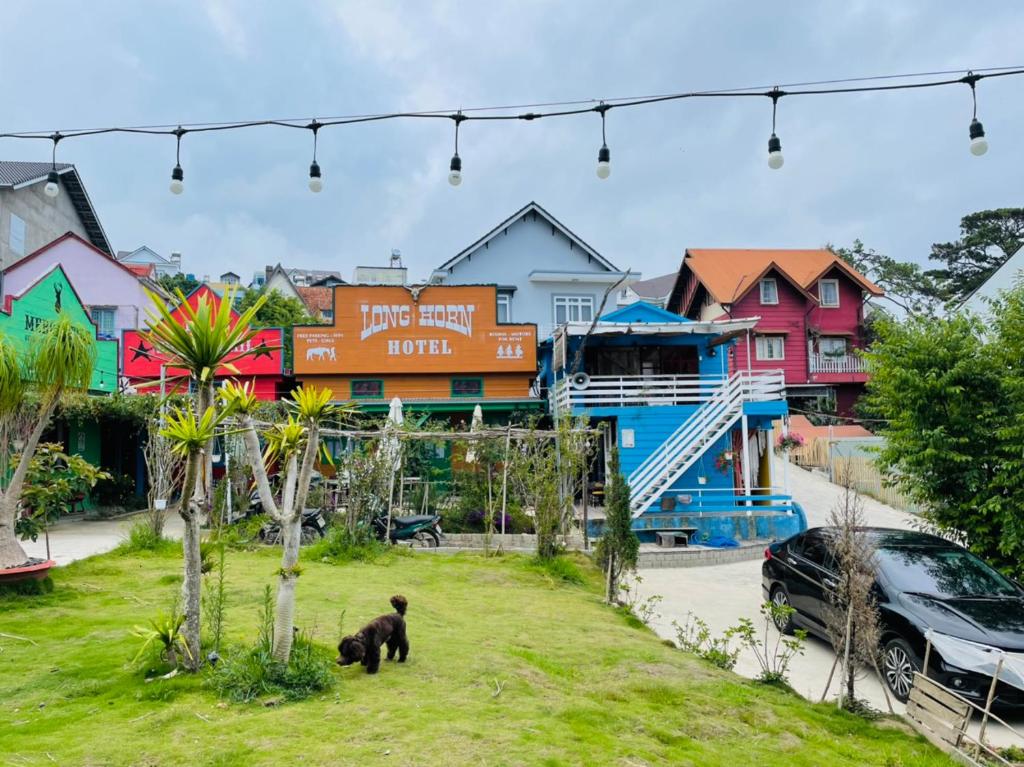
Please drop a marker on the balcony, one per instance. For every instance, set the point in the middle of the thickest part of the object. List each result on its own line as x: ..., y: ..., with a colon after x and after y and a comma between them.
x: 846, y: 363
x: 655, y: 390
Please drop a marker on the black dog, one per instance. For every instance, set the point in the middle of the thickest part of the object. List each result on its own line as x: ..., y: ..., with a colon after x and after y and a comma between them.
x: 364, y: 647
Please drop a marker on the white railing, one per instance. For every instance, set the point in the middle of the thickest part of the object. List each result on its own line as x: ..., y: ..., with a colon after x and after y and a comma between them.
x: 848, y: 363
x: 633, y: 391
x: 706, y: 425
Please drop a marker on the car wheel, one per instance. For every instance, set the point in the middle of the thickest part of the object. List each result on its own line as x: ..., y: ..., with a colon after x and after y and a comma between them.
x: 898, y: 666
x: 781, y: 599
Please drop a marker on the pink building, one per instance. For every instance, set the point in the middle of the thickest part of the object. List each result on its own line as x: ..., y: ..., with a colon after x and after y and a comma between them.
x: 811, y: 309
x: 113, y: 294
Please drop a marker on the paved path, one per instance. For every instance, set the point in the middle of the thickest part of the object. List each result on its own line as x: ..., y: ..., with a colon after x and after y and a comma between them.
x: 81, y: 538
x: 722, y: 594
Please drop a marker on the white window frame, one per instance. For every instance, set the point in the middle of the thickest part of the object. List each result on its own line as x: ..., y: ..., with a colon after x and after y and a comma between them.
x: 765, y: 345
x: 830, y: 341
x: 576, y: 308
x: 17, y: 243
x: 775, y: 290
x: 504, y: 300
x: 821, y: 293
x: 111, y: 311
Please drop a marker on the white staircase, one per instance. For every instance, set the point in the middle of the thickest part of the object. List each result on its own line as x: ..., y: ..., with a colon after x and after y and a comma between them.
x: 697, y: 434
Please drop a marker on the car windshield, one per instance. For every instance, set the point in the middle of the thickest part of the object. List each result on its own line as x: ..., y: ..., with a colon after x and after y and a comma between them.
x: 946, y: 573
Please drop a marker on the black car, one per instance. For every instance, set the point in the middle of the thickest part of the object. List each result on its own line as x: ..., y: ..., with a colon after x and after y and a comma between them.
x: 923, y: 582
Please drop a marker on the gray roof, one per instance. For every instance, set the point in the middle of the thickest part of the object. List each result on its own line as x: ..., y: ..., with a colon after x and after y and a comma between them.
x: 15, y: 175
x: 656, y: 287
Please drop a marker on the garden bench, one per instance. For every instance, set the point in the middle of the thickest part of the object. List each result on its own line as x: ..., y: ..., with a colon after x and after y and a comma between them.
x: 669, y: 538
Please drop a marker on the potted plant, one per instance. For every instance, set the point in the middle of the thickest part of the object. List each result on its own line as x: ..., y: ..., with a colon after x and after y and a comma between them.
x: 723, y: 461
x: 791, y: 441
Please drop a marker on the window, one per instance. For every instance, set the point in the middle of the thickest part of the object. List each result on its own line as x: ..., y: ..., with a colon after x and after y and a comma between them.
x: 103, y: 317
x: 573, y: 309
x: 815, y: 550
x: 769, y: 291
x: 828, y: 292
x: 467, y: 387
x: 504, y: 307
x: 832, y: 346
x: 771, y: 347
x: 367, y: 389
x: 17, y: 235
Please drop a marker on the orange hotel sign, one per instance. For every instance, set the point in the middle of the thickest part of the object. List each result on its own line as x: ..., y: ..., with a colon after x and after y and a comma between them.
x: 438, y: 329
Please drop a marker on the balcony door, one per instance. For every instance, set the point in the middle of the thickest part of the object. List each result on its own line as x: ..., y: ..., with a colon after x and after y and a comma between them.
x: 633, y: 361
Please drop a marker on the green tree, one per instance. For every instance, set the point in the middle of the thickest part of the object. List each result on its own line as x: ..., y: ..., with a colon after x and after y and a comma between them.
x: 32, y: 383
x: 618, y: 548
x: 277, y: 311
x: 201, y: 340
x: 953, y: 402
x: 172, y: 283
x: 987, y: 239
x: 906, y: 285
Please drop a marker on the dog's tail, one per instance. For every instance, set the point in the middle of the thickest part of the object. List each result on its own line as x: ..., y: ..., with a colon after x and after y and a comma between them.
x: 399, y: 603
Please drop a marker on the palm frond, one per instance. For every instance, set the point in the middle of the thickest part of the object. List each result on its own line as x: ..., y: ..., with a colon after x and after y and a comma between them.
x: 62, y: 355
x: 12, y: 378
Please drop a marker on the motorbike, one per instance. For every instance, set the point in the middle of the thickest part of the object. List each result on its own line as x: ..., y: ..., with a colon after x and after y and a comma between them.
x: 419, y: 530
x: 314, y: 526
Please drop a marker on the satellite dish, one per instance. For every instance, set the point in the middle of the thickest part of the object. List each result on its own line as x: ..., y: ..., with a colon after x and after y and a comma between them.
x: 580, y: 381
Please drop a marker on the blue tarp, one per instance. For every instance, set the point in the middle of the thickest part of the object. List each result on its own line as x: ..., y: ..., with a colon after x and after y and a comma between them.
x: 721, y: 542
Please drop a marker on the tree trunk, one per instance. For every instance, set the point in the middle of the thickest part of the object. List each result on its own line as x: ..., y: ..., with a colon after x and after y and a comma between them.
x: 284, y: 616
x: 11, y: 552
x: 609, y: 587
x: 191, y: 587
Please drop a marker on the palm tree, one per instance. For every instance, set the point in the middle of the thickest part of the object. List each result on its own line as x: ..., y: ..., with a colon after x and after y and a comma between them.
x: 299, y: 435
x: 59, y: 359
x: 203, y: 340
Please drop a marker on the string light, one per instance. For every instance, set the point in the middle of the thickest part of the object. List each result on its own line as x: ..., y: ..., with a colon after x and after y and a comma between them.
x: 178, y: 175
x: 455, y: 167
x: 316, y: 182
x: 775, y: 158
x: 604, y: 155
x: 52, y: 188
x: 979, y: 144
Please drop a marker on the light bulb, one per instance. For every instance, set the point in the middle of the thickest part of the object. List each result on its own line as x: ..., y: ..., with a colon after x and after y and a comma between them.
x: 979, y: 144
x: 604, y: 162
x: 52, y: 188
x: 177, y: 180
x: 455, y: 174
x: 775, y: 158
x: 316, y: 182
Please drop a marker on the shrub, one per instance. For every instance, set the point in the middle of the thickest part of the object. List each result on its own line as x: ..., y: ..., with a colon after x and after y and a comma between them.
x: 694, y: 636
x: 560, y: 568
x: 243, y: 534
x: 340, y: 546
x: 250, y: 673
x: 27, y: 588
x: 774, y: 659
x: 142, y: 537
x: 164, y: 634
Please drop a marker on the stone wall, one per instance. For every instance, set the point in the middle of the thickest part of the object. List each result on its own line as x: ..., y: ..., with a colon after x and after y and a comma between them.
x: 508, y: 542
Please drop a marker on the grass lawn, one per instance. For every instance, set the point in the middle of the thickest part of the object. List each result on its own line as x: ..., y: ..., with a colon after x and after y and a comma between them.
x: 582, y: 685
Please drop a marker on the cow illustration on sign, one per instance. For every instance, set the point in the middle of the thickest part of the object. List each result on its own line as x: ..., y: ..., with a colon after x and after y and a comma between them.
x: 321, y: 353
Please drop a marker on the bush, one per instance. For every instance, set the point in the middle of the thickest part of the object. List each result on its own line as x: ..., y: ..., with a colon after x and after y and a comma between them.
x: 142, y: 537
x: 340, y: 546
x: 27, y: 588
x: 250, y: 673
x: 560, y: 568
x: 244, y: 534
x: 694, y: 636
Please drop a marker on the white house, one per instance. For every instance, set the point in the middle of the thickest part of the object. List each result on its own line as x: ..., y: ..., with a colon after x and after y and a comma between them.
x: 1002, y: 279
x: 146, y: 256
x: 544, y: 272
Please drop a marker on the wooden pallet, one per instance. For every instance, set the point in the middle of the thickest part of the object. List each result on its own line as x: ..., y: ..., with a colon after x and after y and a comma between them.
x: 938, y: 714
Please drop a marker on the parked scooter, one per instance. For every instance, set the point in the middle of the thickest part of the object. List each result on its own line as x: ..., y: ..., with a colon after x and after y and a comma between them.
x: 422, y: 530
x: 314, y: 526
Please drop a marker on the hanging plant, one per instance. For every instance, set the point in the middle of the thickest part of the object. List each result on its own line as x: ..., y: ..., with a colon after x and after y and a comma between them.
x: 791, y: 441
x: 723, y: 461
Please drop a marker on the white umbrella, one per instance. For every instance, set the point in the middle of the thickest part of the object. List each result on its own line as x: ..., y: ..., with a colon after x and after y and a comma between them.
x: 477, y: 424
x: 391, y: 451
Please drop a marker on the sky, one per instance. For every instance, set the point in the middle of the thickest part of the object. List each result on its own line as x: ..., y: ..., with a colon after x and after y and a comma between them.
x: 893, y: 170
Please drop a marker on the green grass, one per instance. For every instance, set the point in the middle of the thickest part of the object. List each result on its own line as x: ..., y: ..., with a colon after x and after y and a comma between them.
x: 579, y: 684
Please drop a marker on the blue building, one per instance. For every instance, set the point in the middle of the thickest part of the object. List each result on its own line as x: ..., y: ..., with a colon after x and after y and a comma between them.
x: 694, y: 437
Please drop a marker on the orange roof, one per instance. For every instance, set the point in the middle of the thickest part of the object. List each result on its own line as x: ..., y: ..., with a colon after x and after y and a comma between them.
x: 729, y: 273
x: 809, y: 431
x: 142, y: 270
x: 316, y: 299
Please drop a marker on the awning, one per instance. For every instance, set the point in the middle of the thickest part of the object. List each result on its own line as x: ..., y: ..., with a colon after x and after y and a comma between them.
x: 715, y: 327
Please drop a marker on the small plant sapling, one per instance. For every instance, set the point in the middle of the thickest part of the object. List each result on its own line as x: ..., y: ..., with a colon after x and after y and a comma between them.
x: 774, y: 658
x: 693, y: 635
x: 165, y: 632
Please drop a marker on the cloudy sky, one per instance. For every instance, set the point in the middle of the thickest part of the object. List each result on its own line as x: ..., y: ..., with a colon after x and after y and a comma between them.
x: 891, y: 169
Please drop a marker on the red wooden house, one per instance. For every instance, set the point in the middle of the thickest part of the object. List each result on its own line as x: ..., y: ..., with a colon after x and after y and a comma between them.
x: 141, y: 364
x: 811, y: 309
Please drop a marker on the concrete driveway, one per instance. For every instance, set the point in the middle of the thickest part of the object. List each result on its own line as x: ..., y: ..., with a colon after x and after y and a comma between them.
x: 73, y: 539
x: 722, y: 594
